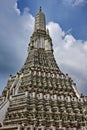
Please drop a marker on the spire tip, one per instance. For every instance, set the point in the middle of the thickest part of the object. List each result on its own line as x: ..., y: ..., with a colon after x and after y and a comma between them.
x: 40, y: 9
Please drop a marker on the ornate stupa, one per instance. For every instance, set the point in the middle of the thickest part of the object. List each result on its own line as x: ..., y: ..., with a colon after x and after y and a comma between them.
x: 40, y: 96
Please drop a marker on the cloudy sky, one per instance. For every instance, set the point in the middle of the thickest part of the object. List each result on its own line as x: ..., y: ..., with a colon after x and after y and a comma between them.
x: 67, y: 23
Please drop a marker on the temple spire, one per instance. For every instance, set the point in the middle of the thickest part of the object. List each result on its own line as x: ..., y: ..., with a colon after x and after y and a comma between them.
x: 41, y: 96
x: 40, y: 23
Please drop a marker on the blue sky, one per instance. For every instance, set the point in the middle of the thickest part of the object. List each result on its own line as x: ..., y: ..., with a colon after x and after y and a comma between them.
x: 67, y: 23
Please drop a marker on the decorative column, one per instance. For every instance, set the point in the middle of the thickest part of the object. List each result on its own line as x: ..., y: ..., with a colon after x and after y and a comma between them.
x: 20, y: 127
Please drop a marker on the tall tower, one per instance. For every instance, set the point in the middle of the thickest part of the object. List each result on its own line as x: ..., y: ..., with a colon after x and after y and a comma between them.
x: 40, y: 96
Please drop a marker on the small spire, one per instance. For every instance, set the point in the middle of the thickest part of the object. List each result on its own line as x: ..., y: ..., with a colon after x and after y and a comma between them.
x: 40, y: 9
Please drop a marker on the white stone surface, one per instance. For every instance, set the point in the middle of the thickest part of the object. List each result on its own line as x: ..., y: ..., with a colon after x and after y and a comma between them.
x: 3, y: 110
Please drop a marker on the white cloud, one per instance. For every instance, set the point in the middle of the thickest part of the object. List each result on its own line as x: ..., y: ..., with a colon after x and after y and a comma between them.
x: 69, y: 41
x: 85, y: 45
x: 16, y: 9
x: 75, y: 2
x: 70, y: 54
x: 15, y: 31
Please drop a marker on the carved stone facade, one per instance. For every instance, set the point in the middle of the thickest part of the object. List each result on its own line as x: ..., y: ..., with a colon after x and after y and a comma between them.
x: 40, y: 96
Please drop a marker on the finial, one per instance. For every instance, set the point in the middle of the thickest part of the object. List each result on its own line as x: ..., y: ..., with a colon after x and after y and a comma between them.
x: 40, y: 9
